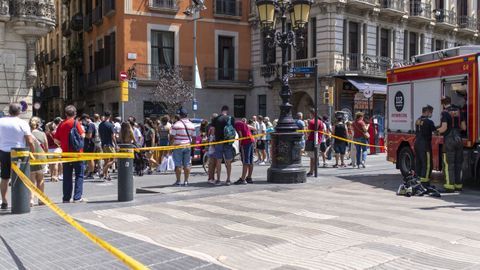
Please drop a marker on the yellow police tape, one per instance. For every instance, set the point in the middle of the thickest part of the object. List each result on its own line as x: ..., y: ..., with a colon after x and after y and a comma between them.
x: 132, y: 263
x: 75, y: 156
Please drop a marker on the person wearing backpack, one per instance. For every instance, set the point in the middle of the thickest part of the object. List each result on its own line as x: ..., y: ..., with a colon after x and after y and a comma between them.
x: 224, y: 130
x: 70, y: 136
x: 339, y: 145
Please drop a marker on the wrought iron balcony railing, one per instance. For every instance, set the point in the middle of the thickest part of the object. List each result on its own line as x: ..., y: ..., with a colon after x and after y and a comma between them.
x: 369, y: 64
x: 228, y: 8
x: 149, y: 72
x: 445, y: 16
x: 393, y: 4
x: 420, y: 9
x: 467, y: 22
x: 228, y: 75
x: 165, y: 5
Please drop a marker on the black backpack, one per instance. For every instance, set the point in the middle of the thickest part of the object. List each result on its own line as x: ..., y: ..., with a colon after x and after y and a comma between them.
x: 75, y: 141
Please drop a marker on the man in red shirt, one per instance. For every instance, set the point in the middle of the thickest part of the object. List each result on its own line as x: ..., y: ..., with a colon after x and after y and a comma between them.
x: 62, y: 137
x: 361, y: 136
x: 246, y: 150
x: 310, y: 143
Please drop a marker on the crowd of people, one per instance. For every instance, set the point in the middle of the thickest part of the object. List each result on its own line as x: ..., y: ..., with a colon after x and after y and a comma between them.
x: 104, y: 134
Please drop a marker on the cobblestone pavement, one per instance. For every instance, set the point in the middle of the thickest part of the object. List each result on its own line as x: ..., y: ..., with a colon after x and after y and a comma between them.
x: 345, y: 219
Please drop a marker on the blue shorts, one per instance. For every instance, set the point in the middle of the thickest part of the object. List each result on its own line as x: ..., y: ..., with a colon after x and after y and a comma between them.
x: 182, y: 157
x: 223, y: 151
x: 340, y: 148
x: 247, y: 154
x: 163, y: 142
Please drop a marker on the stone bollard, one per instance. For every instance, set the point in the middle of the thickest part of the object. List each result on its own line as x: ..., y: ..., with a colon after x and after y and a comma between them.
x: 20, y: 193
x: 126, y: 186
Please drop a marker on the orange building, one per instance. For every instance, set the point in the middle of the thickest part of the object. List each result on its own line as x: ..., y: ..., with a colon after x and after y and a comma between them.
x: 149, y: 35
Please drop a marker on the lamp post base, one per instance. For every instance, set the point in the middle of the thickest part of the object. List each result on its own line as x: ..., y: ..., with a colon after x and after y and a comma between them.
x: 286, y: 159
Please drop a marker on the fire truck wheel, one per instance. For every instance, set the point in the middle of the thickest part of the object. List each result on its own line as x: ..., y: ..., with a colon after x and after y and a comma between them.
x: 406, y: 160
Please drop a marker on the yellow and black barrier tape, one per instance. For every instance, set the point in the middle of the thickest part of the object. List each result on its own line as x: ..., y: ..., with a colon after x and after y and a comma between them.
x: 343, y: 139
x: 75, y: 156
x: 129, y: 261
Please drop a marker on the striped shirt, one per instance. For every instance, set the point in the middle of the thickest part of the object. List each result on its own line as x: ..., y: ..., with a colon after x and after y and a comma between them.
x: 179, y: 132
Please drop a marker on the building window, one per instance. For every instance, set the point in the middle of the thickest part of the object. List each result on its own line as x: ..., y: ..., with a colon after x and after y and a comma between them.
x: 163, y: 48
x: 268, y: 54
x: 302, y: 52
x: 227, y: 7
x: 354, y: 45
x: 90, y: 58
x: 262, y: 105
x: 438, y: 45
x: 412, y: 44
x: 313, y: 37
x: 239, y: 106
x: 385, y: 43
x: 99, y: 54
x: 226, y: 58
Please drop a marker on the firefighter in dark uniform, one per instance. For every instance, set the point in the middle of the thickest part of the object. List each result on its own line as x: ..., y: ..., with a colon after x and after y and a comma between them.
x: 452, y: 124
x: 424, y: 127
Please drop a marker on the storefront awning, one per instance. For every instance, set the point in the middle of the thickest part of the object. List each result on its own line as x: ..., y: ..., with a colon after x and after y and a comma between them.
x: 378, y: 86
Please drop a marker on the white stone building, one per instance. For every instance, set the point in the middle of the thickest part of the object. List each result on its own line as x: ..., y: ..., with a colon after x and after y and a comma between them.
x: 354, y: 42
x: 22, y: 22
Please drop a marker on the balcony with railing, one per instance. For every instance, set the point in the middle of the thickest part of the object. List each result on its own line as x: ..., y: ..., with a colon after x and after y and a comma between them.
x: 362, y: 4
x: 87, y: 23
x: 228, y: 8
x: 149, y: 72
x: 363, y: 64
x: 106, y: 74
x: 97, y: 15
x: 445, y: 18
x: 467, y: 23
x: 393, y: 7
x: 108, y: 7
x: 228, y: 78
x: 169, y: 6
x: 420, y: 12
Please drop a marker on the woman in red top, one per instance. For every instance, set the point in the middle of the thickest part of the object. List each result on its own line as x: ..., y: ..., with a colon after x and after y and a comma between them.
x: 360, y: 130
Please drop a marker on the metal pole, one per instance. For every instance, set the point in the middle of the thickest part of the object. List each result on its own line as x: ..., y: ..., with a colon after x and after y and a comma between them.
x: 315, y: 134
x: 125, y: 175
x: 196, y: 14
x: 20, y: 193
x: 122, y: 110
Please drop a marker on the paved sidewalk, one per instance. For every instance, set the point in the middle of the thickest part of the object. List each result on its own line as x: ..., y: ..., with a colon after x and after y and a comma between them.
x: 345, y: 219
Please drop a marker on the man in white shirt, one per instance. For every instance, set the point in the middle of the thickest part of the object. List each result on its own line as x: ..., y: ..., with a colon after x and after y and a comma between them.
x: 182, y: 133
x: 15, y: 133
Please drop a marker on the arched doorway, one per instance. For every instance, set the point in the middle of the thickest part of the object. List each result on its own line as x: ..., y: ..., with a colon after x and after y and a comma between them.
x: 302, y: 102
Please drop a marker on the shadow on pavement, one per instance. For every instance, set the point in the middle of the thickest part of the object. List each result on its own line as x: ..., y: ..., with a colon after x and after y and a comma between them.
x: 14, y: 256
x: 465, y: 201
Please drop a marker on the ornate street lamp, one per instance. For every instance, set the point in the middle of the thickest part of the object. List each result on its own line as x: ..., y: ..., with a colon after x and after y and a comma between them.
x: 286, y: 142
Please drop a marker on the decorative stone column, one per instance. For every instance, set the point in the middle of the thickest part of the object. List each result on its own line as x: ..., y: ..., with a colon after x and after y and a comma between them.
x: 31, y: 75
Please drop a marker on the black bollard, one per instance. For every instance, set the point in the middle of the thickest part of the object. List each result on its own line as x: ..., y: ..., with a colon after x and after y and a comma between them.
x: 20, y: 193
x: 125, y: 175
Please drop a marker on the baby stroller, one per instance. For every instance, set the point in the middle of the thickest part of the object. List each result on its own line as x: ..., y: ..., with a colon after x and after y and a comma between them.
x: 412, y: 186
x: 140, y: 162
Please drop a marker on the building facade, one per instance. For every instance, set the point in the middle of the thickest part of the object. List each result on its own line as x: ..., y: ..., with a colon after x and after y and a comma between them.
x: 354, y: 43
x: 144, y: 37
x: 21, y: 24
x: 51, y: 50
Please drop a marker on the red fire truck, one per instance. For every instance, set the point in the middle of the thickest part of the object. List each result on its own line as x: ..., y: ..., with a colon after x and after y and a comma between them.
x: 452, y: 72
